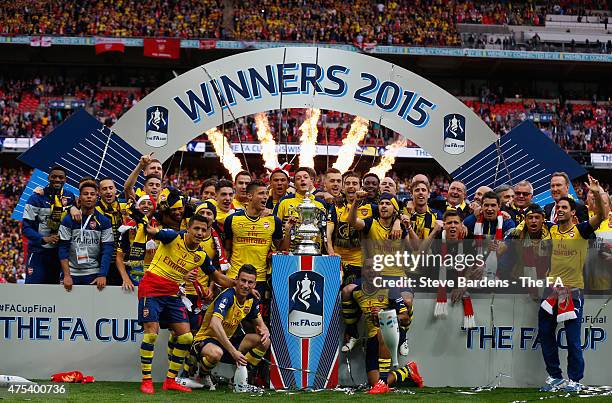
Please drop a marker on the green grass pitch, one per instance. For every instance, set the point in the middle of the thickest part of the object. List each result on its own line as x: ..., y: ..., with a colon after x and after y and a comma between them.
x: 129, y: 392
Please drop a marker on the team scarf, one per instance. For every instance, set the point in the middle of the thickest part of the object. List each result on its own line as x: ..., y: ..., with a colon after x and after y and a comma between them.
x: 461, y: 208
x: 199, y: 305
x: 57, y: 212
x: 139, y: 245
x: 562, y: 298
x: 533, y: 254
x: 491, y: 261
x: 217, y: 241
x: 422, y: 223
x: 519, y: 213
x: 113, y: 212
x: 469, y: 321
x: 441, y: 307
x: 478, y: 230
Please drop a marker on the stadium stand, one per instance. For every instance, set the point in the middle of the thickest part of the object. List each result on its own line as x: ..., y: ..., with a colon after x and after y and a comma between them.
x: 33, y: 108
x: 30, y: 109
x: 12, y: 264
x: 567, y: 26
x: 170, y: 18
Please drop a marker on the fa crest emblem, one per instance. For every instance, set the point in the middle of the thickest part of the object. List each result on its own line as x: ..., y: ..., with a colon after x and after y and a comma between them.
x: 306, y: 304
x: 454, y: 133
x: 156, y: 132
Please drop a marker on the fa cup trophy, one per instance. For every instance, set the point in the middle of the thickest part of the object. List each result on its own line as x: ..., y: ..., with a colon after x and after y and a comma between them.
x: 306, y: 237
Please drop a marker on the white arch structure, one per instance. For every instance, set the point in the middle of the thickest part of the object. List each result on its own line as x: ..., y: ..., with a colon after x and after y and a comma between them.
x: 305, y: 77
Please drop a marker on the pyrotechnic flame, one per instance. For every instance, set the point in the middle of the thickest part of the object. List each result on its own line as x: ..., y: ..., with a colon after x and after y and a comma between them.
x: 346, y: 153
x: 224, y: 151
x: 388, y: 158
x: 268, y: 145
x: 308, y: 139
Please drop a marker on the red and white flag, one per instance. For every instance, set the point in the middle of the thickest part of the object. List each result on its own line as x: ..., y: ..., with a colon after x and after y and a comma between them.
x: 104, y: 45
x: 40, y: 41
x: 208, y: 44
x: 167, y: 48
x: 365, y: 46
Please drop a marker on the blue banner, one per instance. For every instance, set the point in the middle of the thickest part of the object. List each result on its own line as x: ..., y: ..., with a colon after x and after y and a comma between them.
x: 84, y: 147
x: 525, y: 153
x: 305, y: 322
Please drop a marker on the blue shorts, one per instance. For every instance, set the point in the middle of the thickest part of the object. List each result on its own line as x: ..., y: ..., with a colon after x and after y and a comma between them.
x: 163, y: 310
x: 226, y: 357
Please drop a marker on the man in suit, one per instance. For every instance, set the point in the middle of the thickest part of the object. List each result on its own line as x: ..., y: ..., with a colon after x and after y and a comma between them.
x: 559, y: 187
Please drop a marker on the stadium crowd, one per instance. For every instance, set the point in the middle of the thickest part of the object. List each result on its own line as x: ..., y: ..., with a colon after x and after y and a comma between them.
x: 421, y: 23
x: 363, y: 22
x: 26, y: 111
x: 170, y: 18
x: 12, y: 259
x: 26, y: 108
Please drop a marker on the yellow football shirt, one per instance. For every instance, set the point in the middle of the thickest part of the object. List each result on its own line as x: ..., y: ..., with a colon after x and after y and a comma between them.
x: 569, y: 252
x: 252, y: 239
x: 173, y: 259
x: 226, y: 308
x: 377, y: 242
x: 209, y: 247
x: 286, y: 208
x: 423, y: 223
x: 238, y: 205
x: 221, y: 215
x: 347, y: 242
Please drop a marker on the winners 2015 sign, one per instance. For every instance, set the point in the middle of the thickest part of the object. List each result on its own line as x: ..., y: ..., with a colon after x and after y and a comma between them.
x: 275, y: 79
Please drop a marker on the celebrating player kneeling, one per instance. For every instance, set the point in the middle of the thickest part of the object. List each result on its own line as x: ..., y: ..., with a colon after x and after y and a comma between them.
x: 373, y: 301
x: 214, y: 341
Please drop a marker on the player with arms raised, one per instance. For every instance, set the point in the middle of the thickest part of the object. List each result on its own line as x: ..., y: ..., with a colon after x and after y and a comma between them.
x: 179, y: 258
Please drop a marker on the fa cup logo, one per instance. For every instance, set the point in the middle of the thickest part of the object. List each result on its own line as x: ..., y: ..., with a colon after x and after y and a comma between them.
x: 306, y: 293
x: 454, y: 133
x: 156, y: 132
x: 304, y: 290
